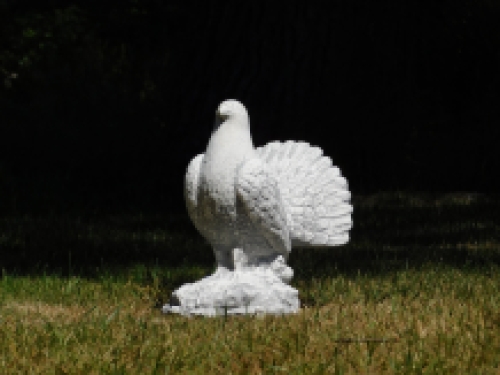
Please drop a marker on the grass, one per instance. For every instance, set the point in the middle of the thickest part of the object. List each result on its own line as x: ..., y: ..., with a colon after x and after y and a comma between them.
x: 417, y: 291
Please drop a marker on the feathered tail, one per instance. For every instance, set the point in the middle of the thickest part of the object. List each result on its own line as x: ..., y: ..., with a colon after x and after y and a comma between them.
x: 315, y: 194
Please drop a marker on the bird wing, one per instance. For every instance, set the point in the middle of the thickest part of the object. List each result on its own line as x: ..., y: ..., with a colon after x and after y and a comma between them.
x: 191, y: 188
x: 315, y: 195
x: 260, y: 196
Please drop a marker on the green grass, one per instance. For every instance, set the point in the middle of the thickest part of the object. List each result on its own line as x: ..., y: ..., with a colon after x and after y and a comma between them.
x: 417, y: 291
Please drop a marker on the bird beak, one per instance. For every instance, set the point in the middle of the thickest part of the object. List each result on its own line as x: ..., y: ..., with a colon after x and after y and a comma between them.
x: 220, y: 116
x: 219, y: 119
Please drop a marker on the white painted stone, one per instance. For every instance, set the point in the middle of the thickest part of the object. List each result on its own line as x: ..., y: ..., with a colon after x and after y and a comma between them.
x: 252, y: 205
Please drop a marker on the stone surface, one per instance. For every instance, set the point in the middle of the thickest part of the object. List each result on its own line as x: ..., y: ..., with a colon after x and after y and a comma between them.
x: 252, y: 205
x: 244, y: 290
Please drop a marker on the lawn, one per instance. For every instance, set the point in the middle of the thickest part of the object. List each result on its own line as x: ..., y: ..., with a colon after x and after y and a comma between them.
x: 416, y: 291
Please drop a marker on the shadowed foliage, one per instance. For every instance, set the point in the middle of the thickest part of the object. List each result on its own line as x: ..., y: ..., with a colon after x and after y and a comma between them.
x: 104, y: 103
x: 391, y: 230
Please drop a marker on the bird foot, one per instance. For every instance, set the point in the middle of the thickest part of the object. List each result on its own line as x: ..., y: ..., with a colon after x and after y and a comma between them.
x: 240, y: 259
x: 281, y: 270
x: 221, y: 270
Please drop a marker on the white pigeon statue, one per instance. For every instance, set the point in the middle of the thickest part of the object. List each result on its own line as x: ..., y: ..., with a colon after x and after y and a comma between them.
x: 253, y: 205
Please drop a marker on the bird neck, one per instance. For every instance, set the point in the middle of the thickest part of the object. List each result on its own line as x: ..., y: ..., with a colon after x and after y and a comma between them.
x: 230, y: 139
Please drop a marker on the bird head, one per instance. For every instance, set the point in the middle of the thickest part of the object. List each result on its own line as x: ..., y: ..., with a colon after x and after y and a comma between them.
x: 230, y: 110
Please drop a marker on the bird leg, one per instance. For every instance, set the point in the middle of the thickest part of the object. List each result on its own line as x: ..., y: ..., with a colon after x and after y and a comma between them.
x: 240, y: 259
x: 223, y: 258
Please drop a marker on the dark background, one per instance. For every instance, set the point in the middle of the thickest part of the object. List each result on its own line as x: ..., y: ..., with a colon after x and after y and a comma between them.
x: 103, y: 104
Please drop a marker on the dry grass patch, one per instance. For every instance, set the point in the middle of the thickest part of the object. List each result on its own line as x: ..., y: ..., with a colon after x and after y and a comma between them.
x: 428, y: 321
x: 416, y: 292
x: 38, y: 312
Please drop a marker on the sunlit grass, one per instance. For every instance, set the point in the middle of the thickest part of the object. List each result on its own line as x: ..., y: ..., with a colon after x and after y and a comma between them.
x: 372, y: 307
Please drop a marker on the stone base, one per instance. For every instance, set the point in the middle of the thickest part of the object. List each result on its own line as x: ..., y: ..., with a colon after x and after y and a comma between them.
x: 249, y: 290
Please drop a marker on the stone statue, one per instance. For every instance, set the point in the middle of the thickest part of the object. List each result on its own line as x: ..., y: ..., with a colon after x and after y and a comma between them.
x: 253, y: 205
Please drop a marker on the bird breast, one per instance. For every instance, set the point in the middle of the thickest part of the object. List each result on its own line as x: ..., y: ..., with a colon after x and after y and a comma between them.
x: 227, y: 149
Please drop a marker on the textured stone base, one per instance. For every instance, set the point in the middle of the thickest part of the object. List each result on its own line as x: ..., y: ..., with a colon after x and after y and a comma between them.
x: 251, y: 290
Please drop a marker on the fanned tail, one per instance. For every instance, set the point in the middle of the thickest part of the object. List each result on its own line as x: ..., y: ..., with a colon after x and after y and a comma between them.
x: 314, y: 192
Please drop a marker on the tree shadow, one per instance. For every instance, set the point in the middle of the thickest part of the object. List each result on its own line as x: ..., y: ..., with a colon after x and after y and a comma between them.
x: 355, y: 259
x: 392, y: 231
x: 89, y: 246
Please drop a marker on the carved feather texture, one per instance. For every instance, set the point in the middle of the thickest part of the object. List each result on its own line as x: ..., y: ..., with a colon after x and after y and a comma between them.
x: 191, y: 188
x: 260, y: 196
x: 314, y: 193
